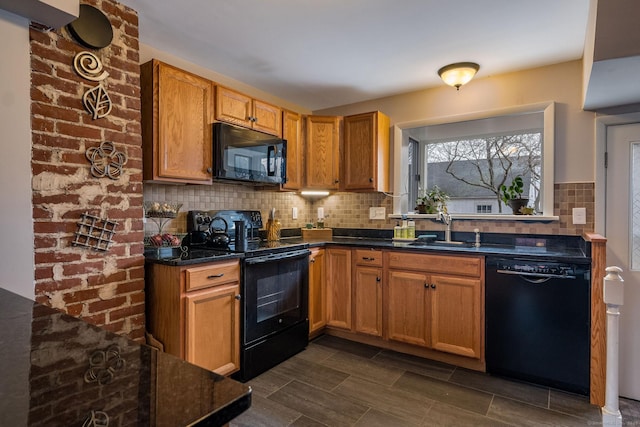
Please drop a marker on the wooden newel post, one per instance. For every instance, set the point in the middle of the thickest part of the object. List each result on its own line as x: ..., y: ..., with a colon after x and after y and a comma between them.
x: 613, y: 297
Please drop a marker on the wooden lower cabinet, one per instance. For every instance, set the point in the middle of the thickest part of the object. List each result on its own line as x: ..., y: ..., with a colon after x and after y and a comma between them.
x: 367, y: 292
x: 339, y: 288
x: 456, y: 317
x: 195, y: 312
x: 215, y: 346
x: 437, y: 311
x: 408, y: 307
x: 317, y: 292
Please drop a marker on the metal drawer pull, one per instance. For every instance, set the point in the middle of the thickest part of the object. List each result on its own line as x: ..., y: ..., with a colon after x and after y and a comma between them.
x: 215, y: 276
x: 366, y: 258
x: 433, y: 286
x: 238, y: 297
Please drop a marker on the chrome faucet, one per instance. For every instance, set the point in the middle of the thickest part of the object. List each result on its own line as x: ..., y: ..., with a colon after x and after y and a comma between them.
x: 446, y: 220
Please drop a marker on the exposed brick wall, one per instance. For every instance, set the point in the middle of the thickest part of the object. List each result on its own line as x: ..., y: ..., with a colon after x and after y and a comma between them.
x: 104, y: 288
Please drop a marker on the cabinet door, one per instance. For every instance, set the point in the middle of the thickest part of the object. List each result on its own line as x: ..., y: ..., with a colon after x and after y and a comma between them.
x: 233, y: 107
x: 456, y: 325
x: 292, y: 132
x: 339, y: 287
x: 212, y: 328
x: 367, y: 294
x: 176, y: 123
x: 317, y: 291
x: 366, y: 152
x: 267, y: 118
x: 323, y: 152
x: 408, y: 308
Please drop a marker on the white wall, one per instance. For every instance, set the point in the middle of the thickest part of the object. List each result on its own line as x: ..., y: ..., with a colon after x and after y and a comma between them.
x: 16, y: 224
x: 562, y: 83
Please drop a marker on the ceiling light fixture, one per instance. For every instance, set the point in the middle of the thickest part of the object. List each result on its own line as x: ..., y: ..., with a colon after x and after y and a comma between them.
x: 458, y: 74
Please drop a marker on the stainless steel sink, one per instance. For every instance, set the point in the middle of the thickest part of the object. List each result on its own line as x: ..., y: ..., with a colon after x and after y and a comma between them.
x: 452, y: 244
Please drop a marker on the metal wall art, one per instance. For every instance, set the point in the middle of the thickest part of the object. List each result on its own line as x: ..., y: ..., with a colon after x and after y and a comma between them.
x: 103, y: 364
x: 96, y: 100
x: 94, y: 232
x: 106, y: 160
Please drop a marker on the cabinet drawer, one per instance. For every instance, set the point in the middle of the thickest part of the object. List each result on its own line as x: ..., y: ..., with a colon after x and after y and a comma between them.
x: 212, y: 275
x: 458, y: 265
x: 368, y: 257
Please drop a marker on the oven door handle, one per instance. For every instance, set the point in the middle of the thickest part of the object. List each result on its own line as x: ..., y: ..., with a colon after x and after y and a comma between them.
x: 277, y: 257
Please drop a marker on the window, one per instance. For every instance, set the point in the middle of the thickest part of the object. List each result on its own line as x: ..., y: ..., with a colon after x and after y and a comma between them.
x: 471, y: 170
x: 471, y: 156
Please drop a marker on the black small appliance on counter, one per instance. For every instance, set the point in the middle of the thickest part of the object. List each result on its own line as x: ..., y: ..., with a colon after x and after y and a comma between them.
x: 274, y: 287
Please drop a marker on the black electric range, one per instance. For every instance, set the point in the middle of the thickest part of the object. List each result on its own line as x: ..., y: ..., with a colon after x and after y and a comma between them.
x: 274, y: 285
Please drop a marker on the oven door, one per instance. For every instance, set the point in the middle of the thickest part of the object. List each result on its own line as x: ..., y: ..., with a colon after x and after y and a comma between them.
x: 275, y: 293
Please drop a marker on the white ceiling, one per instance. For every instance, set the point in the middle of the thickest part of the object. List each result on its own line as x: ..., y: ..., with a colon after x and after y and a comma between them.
x: 325, y: 53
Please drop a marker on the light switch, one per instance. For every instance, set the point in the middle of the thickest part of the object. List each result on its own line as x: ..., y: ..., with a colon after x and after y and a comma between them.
x: 294, y: 213
x: 579, y: 215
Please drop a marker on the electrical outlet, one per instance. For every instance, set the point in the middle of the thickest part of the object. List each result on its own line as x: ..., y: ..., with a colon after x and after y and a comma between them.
x: 377, y: 212
x: 579, y: 215
x: 294, y: 213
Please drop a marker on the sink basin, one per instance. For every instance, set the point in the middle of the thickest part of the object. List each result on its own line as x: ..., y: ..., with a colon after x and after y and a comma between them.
x: 451, y: 244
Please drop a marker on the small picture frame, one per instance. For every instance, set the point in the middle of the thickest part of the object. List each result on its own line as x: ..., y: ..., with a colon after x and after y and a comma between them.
x: 242, y: 166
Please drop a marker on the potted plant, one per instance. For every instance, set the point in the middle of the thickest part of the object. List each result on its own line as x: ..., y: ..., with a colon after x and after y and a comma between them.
x: 433, y: 201
x: 512, y: 195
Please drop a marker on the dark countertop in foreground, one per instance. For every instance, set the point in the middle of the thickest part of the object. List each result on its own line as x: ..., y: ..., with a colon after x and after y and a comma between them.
x: 59, y: 370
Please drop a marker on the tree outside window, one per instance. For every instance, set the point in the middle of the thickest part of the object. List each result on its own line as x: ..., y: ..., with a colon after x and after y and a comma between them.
x: 472, y: 170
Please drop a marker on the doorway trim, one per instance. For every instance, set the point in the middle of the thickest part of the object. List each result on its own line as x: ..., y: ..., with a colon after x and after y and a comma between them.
x: 601, y: 125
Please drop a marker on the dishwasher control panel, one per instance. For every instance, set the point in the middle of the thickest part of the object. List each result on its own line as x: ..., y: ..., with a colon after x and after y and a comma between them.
x: 536, y: 267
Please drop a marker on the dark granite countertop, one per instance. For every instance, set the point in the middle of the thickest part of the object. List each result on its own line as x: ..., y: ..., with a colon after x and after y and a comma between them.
x: 561, y: 248
x: 175, y: 257
x: 487, y: 249
x: 59, y: 370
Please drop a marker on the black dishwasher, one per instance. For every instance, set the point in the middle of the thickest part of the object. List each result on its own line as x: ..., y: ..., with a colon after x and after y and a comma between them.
x: 538, y: 321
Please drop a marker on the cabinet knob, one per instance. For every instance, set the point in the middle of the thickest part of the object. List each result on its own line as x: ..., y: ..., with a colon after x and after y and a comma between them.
x: 238, y: 297
x: 336, y: 181
x: 312, y: 260
x: 378, y: 279
x: 433, y: 286
x: 209, y: 170
x: 370, y: 179
x: 426, y: 285
x: 215, y: 276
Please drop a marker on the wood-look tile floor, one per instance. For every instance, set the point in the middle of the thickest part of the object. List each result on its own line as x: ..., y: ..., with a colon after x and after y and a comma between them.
x: 336, y: 382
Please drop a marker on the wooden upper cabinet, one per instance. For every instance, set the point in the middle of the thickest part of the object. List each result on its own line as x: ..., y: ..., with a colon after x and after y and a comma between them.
x: 366, y: 152
x: 323, y: 152
x: 292, y: 132
x: 239, y: 109
x: 176, y: 124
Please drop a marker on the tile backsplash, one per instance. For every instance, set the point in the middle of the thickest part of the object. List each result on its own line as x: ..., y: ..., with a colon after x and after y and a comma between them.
x: 351, y: 210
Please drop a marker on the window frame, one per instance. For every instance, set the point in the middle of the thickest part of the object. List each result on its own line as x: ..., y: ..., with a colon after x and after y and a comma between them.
x: 402, y: 204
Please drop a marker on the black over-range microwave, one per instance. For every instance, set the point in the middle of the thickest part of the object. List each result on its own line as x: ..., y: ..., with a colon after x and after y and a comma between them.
x: 248, y: 156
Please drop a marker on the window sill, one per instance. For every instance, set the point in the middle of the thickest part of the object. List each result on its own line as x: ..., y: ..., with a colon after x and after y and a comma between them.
x: 482, y: 217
